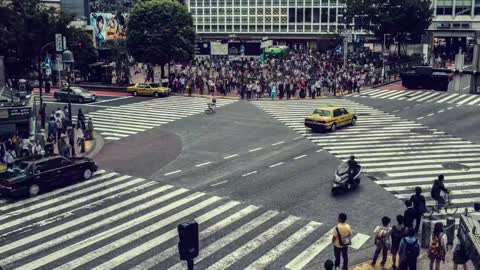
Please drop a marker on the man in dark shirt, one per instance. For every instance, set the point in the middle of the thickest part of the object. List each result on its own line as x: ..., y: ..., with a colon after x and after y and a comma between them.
x: 419, y: 204
x: 409, y: 215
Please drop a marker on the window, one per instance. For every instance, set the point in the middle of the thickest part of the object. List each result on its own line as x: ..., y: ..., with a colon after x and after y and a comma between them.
x: 337, y: 113
x: 244, y: 28
x: 221, y: 3
x: 291, y: 15
x: 237, y: 20
x: 252, y: 2
x: 476, y: 11
x: 284, y: 2
x: 308, y: 15
x: 251, y: 28
x: 463, y: 10
x: 221, y: 11
x: 299, y: 15
x: 444, y: 10
x: 276, y: 28
x: 284, y: 11
x: 308, y: 28
x: 236, y: 3
x: 268, y: 28
x: 291, y: 28
x: 324, y: 15
x: 235, y: 29
x: 214, y: 11
x: 299, y: 28
x: 284, y: 20
x: 207, y: 11
x: 237, y: 11
x: 316, y: 15
x: 252, y: 11
x: 251, y: 19
x: 276, y: 20
x: 275, y: 2
x: 229, y: 28
x: 221, y: 28
x: 214, y: 3
x: 193, y: 3
x: 244, y: 11
x: 333, y: 15
x: 207, y: 28
x: 214, y: 20
x: 284, y: 28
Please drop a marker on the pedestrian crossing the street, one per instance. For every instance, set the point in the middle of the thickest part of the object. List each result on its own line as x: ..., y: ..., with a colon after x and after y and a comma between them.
x: 115, y: 221
x: 122, y: 121
x: 421, y: 96
x: 398, y: 154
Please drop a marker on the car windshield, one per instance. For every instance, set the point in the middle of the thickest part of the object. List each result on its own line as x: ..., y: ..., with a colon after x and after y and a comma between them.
x: 321, y: 112
x: 78, y: 90
x: 19, y: 168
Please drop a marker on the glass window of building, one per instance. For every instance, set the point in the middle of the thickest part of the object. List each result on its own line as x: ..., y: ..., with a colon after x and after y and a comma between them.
x: 200, y: 28
x: 251, y: 11
x: 221, y: 28
x: 299, y: 15
x: 463, y: 7
x: 299, y: 28
x: 236, y: 3
x: 214, y: 11
x: 284, y: 28
x: 236, y: 20
x: 276, y: 28
x: 284, y: 2
x: 200, y: 11
x: 267, y: 3
x: 324, y: 28
x: 477, y: 7
x: 221, y: 19
x: 229, y: 11
x: 316, y: 15
x: 244, y: 28
x: 207, y: 11
x: 221, y: 11
x: 308, y: 3
x: 244, y: 11
x: 300, y: 3
x: 214, y: 20
x: 324, y: 17
x: 228, y: 28
x: 268, y: 20
x: 193, y: 3
x: 283, y: 11
x: 291, y: 28
x: 199, y: 20
x: 251, y: 28
x: 251, y: 19
x: 268, y: 11
x: 244, y: 3
x: 252, y: 3
x: 276, y: 11
x: 193, y: 11
x: 308, y: 15
x: 316, y: 28
x: 333, y: 15
x: 324, y: 2
x: 207, y: 20
x: 206, y: 28
x: 229, y: 20
x: 236, y: 11
x: 444, y: 7
x: 221, y: 3
x: 214, y: 3
x: 284, y: 20
x: 291, y: 2
x: 260, y: 3
x: 259, y: 20
x: 259, y: 11
x: 308, y: 28
x: 268, y: 28
x: 332, y: 28
x: 316, y: 2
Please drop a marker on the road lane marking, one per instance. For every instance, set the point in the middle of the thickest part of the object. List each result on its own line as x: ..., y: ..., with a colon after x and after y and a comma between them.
x: 466, y: 87
x: 278, y: 143
x: 219, y: 183
x: 254, y: 150
x: 417, y: 105
x: 396, y: 111
x: 108, y: 100
x: 299, y: 157
x: 231, y: 156
x: 431, y: 114
x: 311, y: 252
x: 421, y: 117
x: 250, y: 173
x: 406, y: 108
x: 298, y: 138
x: 174, y: 172
x: 275, y: 165
x: 319, y: 150
x: 449, y: 108
x: 358, y: 240
x: 203, y: 164
x: 441, y: 111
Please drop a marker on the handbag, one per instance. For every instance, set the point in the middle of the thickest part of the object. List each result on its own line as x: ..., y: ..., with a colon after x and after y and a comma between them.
x: 344, y: 241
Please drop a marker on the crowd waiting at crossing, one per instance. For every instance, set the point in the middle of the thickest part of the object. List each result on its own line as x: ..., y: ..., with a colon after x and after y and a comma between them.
x: 298, y: 73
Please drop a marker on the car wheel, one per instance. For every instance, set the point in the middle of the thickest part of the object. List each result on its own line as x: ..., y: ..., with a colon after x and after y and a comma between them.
x: 135, y: 93
x: 156, y: 94
x: 87, y: 174
x: 333, y: 127
x: 33, y: 190
x: 354, y: 121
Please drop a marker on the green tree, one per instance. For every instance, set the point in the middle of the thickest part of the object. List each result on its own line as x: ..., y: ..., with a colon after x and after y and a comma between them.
x: 160, y: 31
x: 399, y: 20
x: 81, y: 45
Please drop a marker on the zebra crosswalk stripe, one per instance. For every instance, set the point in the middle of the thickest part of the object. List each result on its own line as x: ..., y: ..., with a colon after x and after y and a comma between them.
x: 101, y: 223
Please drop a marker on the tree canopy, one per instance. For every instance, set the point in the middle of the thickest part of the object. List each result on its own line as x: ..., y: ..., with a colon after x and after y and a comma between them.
x: 160, y: 31
x: 400, y: 19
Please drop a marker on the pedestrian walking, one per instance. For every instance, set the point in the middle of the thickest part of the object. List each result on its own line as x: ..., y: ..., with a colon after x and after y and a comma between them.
x: 42, y: 137
x: 341, y: 240
x: 398, y: 232
x: 9, y: 158
x: 52, y: 127
x: 81, y: 119
x: 37, y: 149
x: 90, y: 128
x: 409, y: 215
x: 80, y: 139
x: 409, y: 251
x: 438, y: 247
x: 419, y: 204
x: 382, y: 241
x: 460, y: 256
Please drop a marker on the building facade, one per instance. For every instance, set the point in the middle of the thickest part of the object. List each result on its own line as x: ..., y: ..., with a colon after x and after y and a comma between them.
x: 273, y: 18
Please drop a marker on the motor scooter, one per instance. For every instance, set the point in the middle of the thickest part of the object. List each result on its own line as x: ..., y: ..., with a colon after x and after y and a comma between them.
x: 341, y: 181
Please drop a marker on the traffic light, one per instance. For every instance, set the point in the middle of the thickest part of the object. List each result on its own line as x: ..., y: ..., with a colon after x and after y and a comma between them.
x: 188, y: 245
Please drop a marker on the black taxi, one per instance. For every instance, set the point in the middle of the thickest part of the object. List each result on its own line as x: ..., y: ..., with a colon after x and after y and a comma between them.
x: 30, y: 175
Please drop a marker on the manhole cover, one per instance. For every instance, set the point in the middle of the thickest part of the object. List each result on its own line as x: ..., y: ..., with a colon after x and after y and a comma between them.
x: 423, y: 131
x: 455, y: 166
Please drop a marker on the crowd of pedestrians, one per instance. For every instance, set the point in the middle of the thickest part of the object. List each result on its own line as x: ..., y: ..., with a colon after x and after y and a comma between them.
x: 400, y: 240
x: 297, y: 74
x: 59, y: 137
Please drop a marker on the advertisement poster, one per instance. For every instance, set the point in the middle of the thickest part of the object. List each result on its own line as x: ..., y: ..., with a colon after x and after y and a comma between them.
x: 109, y: 20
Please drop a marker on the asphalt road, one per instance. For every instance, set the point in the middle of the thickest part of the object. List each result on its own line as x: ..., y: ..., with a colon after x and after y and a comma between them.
x: 259, y: 187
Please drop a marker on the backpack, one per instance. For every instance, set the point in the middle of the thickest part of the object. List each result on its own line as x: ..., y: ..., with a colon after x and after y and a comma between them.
x: 411, y: 250
x: 436, y: 250
x: 435, y: 191
x: 381, y: 238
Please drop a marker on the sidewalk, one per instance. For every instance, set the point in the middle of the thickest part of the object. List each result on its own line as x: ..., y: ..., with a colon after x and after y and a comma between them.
x: 264, y: 98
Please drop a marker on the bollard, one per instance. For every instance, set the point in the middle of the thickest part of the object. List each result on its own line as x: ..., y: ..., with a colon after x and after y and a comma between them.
x: 426, y: 233
x: 450, y: 230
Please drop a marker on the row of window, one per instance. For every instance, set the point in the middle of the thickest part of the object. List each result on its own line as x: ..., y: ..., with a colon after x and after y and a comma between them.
x: 253, y: 20
x: 228, y: 3
x: 458, y: 11
x: 271, y: 28
x: 291, y: 12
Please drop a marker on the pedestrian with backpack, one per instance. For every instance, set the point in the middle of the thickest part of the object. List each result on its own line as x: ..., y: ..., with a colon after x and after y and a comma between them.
x: 382, y: 241
x: 419, y: 204
x: 438, y: 246
x: 342, y: 238
x: 409, y: 251
x: 399, y: 231
x: 460, y: 256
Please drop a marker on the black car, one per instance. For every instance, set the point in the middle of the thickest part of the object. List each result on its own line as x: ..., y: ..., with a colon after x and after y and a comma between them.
x: 29, y: 176
x: 77, y: 94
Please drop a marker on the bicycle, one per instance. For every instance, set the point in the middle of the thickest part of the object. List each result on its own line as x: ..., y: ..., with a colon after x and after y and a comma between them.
x: 449, y: 207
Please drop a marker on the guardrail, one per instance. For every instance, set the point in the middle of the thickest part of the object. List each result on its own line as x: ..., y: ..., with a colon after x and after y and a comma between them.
x: 469, y: 234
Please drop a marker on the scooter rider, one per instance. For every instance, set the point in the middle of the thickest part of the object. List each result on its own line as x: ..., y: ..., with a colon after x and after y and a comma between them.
x: 352, y: 166
x: 437, y: 187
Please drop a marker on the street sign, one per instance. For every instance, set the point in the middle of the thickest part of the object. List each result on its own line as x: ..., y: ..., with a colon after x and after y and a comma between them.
x: 58, y: 42
x: 65, y: 43
x: 349, y: 38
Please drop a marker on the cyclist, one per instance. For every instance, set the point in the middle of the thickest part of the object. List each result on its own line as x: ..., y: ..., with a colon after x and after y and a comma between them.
x: 437, y: 187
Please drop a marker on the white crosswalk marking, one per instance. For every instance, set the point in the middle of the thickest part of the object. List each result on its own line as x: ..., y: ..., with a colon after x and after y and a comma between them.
x: 421, y: 96
x: 396, y: 156
x: 117, y: 221
x: 123, y: 121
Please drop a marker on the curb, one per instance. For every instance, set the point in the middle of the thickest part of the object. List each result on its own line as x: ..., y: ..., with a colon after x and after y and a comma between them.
x: 383, y: 84
x: 388, y: 265
x: 340, y: 95
x: 97, y: 146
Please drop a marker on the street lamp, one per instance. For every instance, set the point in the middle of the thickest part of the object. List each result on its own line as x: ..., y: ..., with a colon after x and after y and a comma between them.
x: 384, y: 55
x: 68, y: 61
x: 40, y: 75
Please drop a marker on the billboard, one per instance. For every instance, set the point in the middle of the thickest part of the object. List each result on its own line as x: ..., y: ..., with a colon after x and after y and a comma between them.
x: 109, y: 20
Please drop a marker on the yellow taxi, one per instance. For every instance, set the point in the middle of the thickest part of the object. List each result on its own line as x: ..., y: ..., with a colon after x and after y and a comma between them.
x: 148, y: 89
x: 330, y: 118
